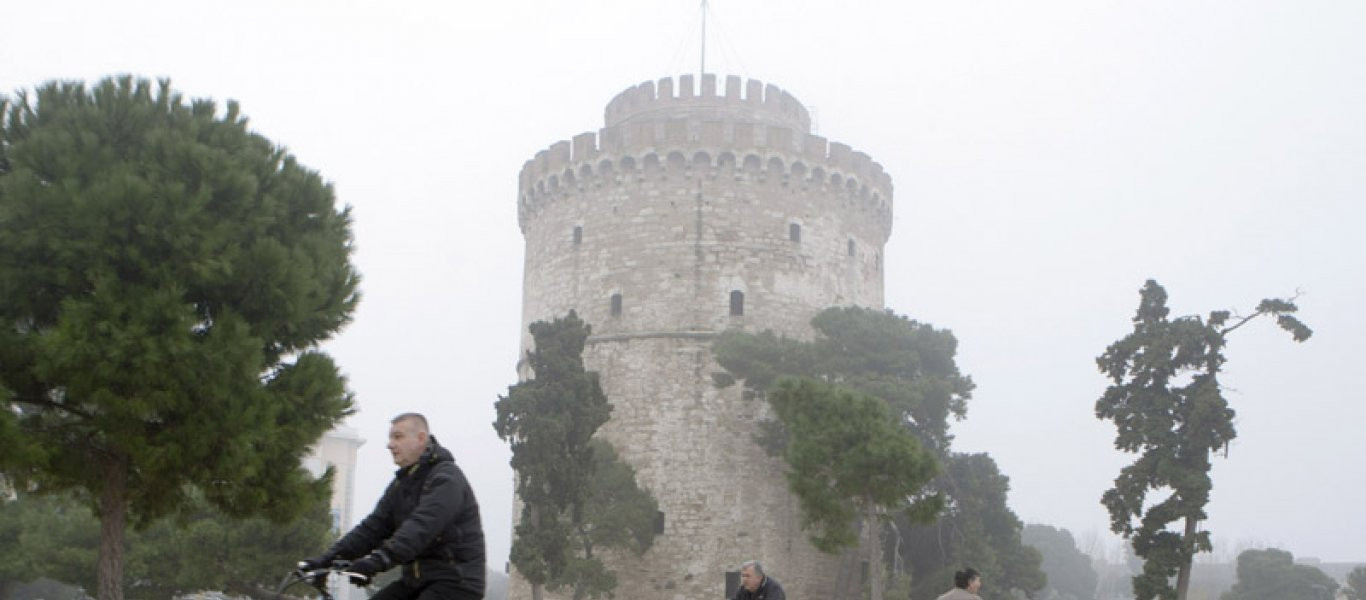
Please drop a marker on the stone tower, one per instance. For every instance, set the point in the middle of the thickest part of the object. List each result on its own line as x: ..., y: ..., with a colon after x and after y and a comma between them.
x: 691, y: 212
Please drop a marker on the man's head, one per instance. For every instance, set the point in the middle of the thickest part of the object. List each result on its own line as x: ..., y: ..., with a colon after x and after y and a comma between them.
x: 751, y: 575
x: 968, y: 579
x: 408, y: 438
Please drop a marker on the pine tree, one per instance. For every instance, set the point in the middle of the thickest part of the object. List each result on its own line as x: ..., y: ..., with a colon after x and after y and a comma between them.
x: 167, y: 275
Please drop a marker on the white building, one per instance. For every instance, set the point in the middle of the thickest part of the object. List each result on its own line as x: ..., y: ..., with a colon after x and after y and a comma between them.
x: 337, y: 449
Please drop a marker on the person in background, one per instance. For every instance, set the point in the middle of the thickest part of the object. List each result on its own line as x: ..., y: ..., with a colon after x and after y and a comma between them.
x: 965, y: 586
x: 755, y: 585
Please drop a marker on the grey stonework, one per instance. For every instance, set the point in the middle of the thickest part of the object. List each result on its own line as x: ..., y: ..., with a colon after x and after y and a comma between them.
x: 680, y: 201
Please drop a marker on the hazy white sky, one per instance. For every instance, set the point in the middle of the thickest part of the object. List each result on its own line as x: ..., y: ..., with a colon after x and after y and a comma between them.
x: 1048, y: 157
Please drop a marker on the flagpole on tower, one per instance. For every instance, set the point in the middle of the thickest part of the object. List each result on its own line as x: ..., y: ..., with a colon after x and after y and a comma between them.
x: 703, y: 67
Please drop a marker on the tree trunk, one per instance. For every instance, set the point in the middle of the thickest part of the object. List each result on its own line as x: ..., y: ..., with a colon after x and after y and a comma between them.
x: 535, y: 591
x: 113, y: 515
x: 875, y: 577
x: 1183, y: 576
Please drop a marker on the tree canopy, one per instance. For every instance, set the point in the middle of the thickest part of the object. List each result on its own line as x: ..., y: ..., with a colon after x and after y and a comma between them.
x: 198, y: 548
x: 1168, y: 407
x: 1069, y: 570
x: 577, y: 495
x: 168, y: 274
x: 865, y: 357
x: 1271, y: 574
x: 976, y: 528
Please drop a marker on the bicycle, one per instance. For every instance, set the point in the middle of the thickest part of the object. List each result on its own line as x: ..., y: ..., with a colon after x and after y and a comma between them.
x: 317, y: 579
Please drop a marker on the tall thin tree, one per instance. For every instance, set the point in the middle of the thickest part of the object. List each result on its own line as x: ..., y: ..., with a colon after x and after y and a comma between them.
x: 575, y: 494
x: 1168, y: 407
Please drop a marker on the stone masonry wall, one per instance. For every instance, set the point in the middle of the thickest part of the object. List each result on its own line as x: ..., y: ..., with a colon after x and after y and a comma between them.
x: 681, y: 201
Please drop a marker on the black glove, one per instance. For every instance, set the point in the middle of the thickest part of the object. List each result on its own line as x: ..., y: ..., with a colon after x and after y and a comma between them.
x: 318, y: 562
x: 364, y: 569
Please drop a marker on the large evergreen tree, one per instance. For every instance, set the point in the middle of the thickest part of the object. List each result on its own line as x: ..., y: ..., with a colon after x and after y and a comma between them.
x: 849, y: 462
x: 1168, y: 407
x: 909, y: 366
x: 167, y: 275
x: 577, y: 496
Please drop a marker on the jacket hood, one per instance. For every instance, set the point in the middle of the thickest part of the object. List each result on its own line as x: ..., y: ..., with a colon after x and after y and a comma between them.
x: 434, y: 453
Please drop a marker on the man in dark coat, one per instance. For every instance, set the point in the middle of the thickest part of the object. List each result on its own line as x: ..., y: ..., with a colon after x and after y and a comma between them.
x: 755, y: 585
x: 427, y: 521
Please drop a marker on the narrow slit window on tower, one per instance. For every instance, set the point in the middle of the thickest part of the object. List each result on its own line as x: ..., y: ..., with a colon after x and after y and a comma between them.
x: 737, y: 303
x: 794, y: 232
x: 616, y: 305
x: 578, y: 234
x: 851, y: 246
x: 659, y: 522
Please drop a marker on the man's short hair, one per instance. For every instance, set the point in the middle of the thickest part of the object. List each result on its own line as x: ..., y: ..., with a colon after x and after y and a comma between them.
x: 964, y: 578
x: 758, y: 568
x: 412, y: 416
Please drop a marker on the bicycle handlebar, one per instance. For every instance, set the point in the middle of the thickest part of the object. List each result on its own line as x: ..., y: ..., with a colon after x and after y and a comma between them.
x: 317, y: 578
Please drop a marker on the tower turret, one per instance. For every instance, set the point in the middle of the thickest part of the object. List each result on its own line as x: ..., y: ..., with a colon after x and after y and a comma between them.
x: 691, y: 212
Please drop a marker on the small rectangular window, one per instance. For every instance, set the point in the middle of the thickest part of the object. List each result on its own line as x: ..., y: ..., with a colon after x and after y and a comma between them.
x: 737, y: 303
x: 794, y: 232
x: 616, y: 305
x: 851, y: 246
x: 578, y: 234
x: 659, y: 522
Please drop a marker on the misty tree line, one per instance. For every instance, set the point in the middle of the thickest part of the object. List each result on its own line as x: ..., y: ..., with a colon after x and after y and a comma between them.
x: 168, y: 275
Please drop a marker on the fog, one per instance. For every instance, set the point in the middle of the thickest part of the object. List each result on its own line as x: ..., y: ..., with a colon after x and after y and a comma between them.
x: 1047, y: 158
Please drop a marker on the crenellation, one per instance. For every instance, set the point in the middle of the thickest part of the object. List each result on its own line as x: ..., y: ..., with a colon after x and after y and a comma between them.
x: 708, y: 85
x: 685, y: 87
x: 665, y: 89
x: 862, y: 165
x: 559, y: 156
x: 839, y: 155
x: 732, y: 89
x: 814, y: 148
x: 754, y: 92
x: 542, y: 159
x: 585, y: 147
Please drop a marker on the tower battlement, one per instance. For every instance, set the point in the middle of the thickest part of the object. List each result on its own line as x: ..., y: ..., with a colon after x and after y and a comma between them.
x: 766, y: 132
x: 766, y: 104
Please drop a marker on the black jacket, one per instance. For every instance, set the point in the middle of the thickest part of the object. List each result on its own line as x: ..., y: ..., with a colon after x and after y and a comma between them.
x: 768, y: 590
x: 427, y: 521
